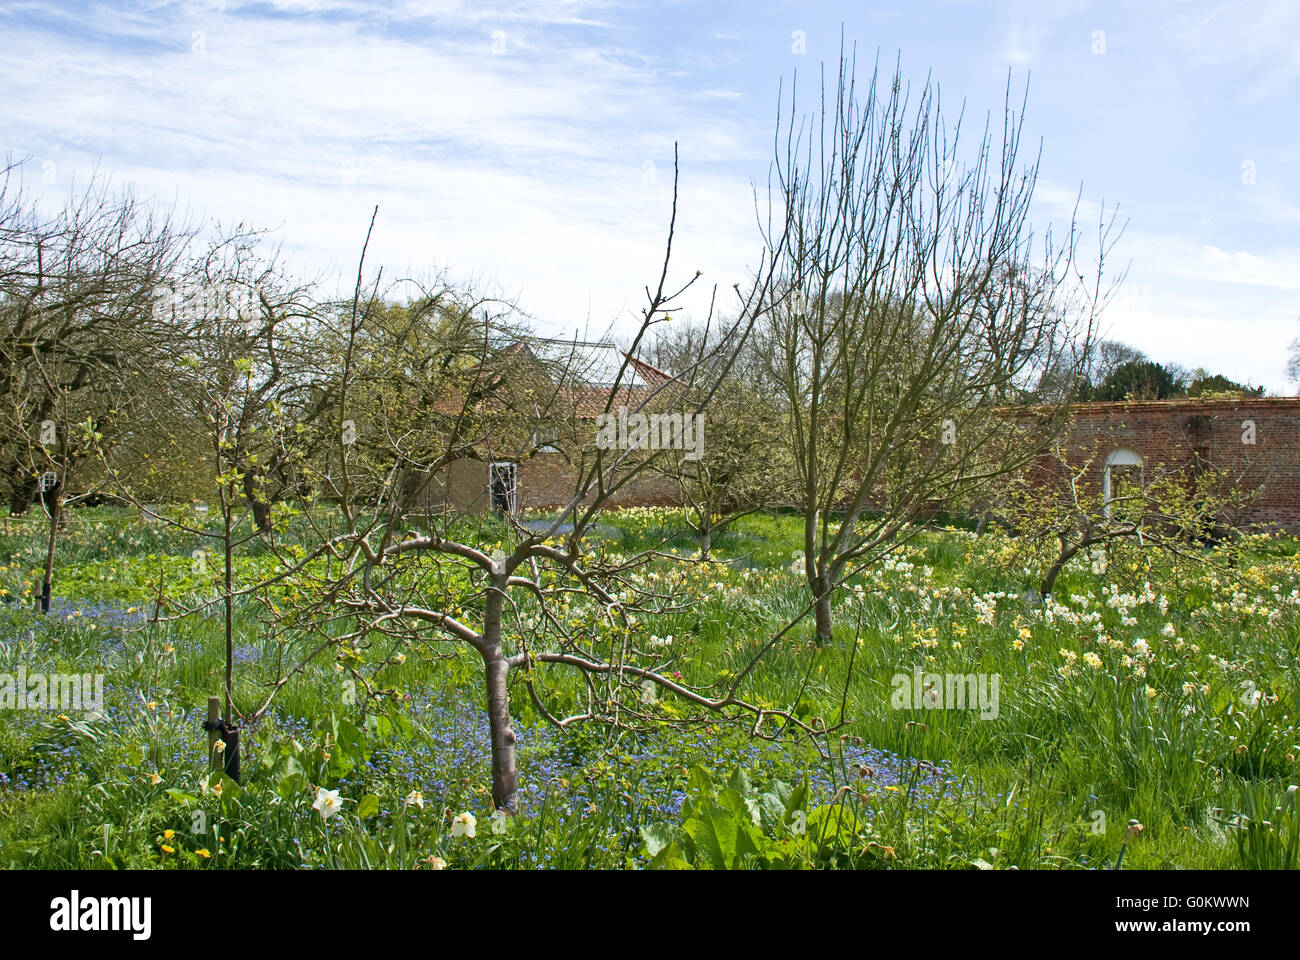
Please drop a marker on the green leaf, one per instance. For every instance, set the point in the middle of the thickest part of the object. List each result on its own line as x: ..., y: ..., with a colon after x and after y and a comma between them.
x: 724, y: 837
x: 289, y: 786
x: 797, y: 800
x: 670, y: 858
x: 286, y: 765
x: 368, y: 807
x: 713, y: 831
x: 659, y: 836
x: 230, y: 791
x: 700, y: 782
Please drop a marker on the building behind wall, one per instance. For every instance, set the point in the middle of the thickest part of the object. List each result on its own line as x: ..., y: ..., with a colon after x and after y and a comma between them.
x: 544, y: 481
x: 538, y: 470
x: 1256, y: 439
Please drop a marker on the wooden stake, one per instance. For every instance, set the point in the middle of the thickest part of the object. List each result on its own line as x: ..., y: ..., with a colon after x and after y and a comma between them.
x: 214, y: 734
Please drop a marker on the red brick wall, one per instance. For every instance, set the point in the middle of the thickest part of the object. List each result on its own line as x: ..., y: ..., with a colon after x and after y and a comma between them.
x: 547, y: 481
x: 1161, y: 432
x: 1172, y: 432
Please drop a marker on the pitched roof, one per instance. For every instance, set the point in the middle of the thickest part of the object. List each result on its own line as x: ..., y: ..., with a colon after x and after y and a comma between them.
x: 587, y: 377
x: 595, y: 363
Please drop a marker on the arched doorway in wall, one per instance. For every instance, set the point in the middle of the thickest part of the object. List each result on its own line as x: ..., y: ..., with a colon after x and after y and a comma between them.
x: 1122, y: 480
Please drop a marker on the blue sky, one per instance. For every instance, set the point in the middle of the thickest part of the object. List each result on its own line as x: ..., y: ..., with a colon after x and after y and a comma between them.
x: 526, y: 147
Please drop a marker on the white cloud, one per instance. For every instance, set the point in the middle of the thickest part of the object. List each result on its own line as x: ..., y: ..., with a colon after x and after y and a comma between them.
x: 1280, y: 269
x: 528, y: 168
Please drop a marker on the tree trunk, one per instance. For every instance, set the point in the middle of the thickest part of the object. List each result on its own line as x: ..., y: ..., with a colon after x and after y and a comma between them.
x: 228, y: 598
x: 261, y: 515
x: 22, y: 493
x: 505, y: 772
x: 822, y: 591
x: 706, y: 541
x: 257, y: 502
x: 1054, y: 571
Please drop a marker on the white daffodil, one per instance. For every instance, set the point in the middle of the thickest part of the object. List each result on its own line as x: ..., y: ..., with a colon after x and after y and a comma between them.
x: 327, y: 802
x: 464, y: 825
x: 415, y: 799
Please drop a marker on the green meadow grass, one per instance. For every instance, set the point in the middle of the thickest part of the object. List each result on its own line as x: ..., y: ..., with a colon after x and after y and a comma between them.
x: 1160, y: 690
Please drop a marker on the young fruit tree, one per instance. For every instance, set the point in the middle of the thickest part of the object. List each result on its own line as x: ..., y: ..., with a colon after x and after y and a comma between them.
x: 399, y: 570
x: 230, y: 397
x: 1070, y: 506
x: 76, y: 292
x: 912, y: 302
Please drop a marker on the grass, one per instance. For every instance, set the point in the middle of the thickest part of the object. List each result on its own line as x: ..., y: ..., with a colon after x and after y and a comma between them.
x: 1161, y: 690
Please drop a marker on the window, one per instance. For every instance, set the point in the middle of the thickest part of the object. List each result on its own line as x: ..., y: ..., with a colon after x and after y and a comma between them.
x: 1123, y: 482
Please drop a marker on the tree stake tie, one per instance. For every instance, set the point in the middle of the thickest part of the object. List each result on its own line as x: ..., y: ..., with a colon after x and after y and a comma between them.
x: 223, y: 741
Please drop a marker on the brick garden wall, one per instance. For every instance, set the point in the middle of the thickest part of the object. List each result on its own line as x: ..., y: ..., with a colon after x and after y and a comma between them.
x: 546, y: 481
x: 1174, y: 433
x: 1169, y: 433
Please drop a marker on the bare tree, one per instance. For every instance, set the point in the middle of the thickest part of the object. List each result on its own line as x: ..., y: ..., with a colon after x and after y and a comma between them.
x: 77, y: 292
x: 231, y: 390
x: 1060, y: 510
x: 550, y: 597
x: 1293, y: 360
x: 1107, y: 356
x: 913, y: 303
